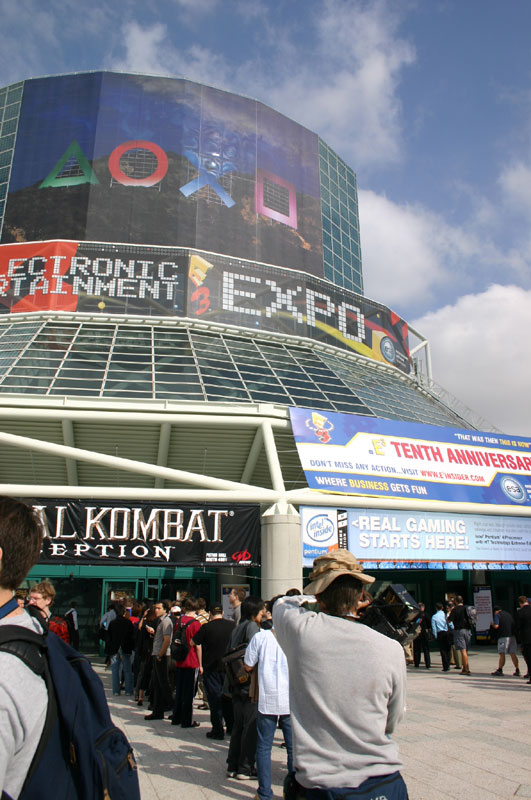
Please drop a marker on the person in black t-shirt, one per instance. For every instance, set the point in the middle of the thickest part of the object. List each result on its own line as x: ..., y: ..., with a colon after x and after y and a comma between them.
x: 503, y: 624
x: 422, y: 643
x: 211, y: 641
x: 119, y: 646
x: 523, y: 632
x: 462, y: 631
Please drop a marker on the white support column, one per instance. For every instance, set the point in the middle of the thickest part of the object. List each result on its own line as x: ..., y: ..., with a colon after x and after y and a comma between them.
x: 281, y: 550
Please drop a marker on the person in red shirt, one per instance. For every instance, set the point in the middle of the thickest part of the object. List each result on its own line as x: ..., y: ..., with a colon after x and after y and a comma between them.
x: 42, y: 596
x: 185, y: 672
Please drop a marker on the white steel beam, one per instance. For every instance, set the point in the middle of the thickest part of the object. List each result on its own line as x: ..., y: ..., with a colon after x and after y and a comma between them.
x: 254, y: 454
x: 164, y: 448
x: 199, y: 496
x: 272, y: 457
x: 124, y: 417
x: 125, y: 464
x: 69, y: 440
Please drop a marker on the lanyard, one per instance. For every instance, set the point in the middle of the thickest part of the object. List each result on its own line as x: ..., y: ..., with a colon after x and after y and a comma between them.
x: 8, y: 607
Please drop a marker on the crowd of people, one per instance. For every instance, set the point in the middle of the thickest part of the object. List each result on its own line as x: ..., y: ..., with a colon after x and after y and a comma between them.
x: 451, y: 626
x: 239, y: 664
x: 337, y: 713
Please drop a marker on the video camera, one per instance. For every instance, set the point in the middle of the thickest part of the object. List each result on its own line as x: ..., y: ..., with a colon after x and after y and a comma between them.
x: 394, y: 613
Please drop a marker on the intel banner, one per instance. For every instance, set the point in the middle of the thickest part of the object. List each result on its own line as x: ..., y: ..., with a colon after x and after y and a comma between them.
x: 352, y: 454
x: 417, y: 540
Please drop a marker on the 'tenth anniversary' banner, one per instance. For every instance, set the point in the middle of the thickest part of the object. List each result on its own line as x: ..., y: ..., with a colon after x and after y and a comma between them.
x: 114, y: 532
x: 353, y: 454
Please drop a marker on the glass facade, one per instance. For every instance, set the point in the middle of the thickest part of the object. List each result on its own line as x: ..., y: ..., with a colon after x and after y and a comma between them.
x: 10, y: 98
x: 180, y: 363
x: 340, y: 220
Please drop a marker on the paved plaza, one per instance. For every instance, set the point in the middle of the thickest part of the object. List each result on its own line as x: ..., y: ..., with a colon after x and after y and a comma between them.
x: 463, y: 738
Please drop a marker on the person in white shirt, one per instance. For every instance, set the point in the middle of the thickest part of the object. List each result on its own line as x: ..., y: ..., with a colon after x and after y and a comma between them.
x: 273, y: 702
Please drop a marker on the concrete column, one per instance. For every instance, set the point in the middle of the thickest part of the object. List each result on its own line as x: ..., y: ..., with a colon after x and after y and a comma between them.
x: 281, y: 550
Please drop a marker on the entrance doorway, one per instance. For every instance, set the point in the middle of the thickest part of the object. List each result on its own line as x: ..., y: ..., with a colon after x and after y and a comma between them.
x: 126, y: 592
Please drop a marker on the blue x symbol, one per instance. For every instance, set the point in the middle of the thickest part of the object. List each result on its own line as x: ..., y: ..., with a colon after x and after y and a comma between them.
x: 203, y: 179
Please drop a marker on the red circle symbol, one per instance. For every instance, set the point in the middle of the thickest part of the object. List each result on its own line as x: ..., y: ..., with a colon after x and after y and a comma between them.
x: 138, y: 144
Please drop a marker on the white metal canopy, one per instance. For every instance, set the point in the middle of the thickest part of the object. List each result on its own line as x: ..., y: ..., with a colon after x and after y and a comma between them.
x: 202, y: 452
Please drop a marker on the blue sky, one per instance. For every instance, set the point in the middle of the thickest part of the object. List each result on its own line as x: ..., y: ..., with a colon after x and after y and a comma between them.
x: 428, y: 100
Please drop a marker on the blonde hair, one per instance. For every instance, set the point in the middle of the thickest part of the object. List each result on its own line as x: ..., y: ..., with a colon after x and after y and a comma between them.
x: 46, y: 589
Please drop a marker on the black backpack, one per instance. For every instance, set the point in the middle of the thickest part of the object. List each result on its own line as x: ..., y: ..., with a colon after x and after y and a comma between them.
x: 179, y: 647
x: 233, y: 660
x: 233, y: 664
x: 81, y: 754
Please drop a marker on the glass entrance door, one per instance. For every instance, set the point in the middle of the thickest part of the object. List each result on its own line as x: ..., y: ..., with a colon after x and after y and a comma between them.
x: 115, y: 591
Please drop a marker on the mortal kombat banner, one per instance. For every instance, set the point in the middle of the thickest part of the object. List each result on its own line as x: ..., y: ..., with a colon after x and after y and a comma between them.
x: 142, y: 534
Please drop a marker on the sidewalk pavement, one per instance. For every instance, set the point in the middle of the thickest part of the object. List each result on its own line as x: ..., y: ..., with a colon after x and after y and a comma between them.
x: 463, y: 738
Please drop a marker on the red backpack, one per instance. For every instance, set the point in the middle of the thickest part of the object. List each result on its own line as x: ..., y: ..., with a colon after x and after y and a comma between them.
x: 59, y: 626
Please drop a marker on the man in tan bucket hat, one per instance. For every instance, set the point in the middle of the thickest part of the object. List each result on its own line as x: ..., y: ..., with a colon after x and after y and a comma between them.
x: 347, y: 687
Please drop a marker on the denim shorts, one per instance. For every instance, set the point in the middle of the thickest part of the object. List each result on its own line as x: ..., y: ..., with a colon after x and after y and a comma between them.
x: 507, y: 644
x: 462, y: 639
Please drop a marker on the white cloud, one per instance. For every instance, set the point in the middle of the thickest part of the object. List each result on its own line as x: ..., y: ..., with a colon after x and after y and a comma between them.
x: 197, y: 6
x: 400, y: 263
x: 413, y: 258
x: 150, y: 50
x: 515, y: 182
x: 411, y: 253
x: 27, y: 34
x: 351, y: 100
x: 480, y: 353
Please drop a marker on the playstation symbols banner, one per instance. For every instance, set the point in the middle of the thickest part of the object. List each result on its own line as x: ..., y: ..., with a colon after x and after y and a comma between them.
x: 151, y: 534
x: 353, y: 454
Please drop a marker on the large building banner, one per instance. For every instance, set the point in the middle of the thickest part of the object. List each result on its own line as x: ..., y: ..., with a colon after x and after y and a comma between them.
x: 417, y: 540
x: 359, y: 455
x: 147, y: 160
x: 149, y: 534
x: 96, y: 277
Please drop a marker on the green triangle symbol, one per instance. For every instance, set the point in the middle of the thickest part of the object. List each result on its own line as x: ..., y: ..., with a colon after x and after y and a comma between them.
x: 83, y: 172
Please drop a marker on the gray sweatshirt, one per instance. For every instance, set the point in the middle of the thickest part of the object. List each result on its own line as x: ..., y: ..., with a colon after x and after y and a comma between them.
x: 23, y: 703
x: 347, y: 694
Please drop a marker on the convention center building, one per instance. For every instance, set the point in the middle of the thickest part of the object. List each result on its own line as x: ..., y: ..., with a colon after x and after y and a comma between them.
x: 182, y: 305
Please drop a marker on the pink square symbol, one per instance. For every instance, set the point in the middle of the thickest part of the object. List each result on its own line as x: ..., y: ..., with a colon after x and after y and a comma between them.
x: 275, y: 198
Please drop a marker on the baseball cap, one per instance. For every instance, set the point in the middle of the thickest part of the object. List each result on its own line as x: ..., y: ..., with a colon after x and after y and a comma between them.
x: 330, y: 566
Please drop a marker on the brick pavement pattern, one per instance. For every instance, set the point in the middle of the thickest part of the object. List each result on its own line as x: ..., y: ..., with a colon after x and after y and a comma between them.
x: 463, y: 738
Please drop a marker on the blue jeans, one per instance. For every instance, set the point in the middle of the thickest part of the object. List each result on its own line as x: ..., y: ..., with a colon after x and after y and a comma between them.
x: 213, y: 685
x: 390, y: 787
x: 266, y: 725
x: 121, y: 659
